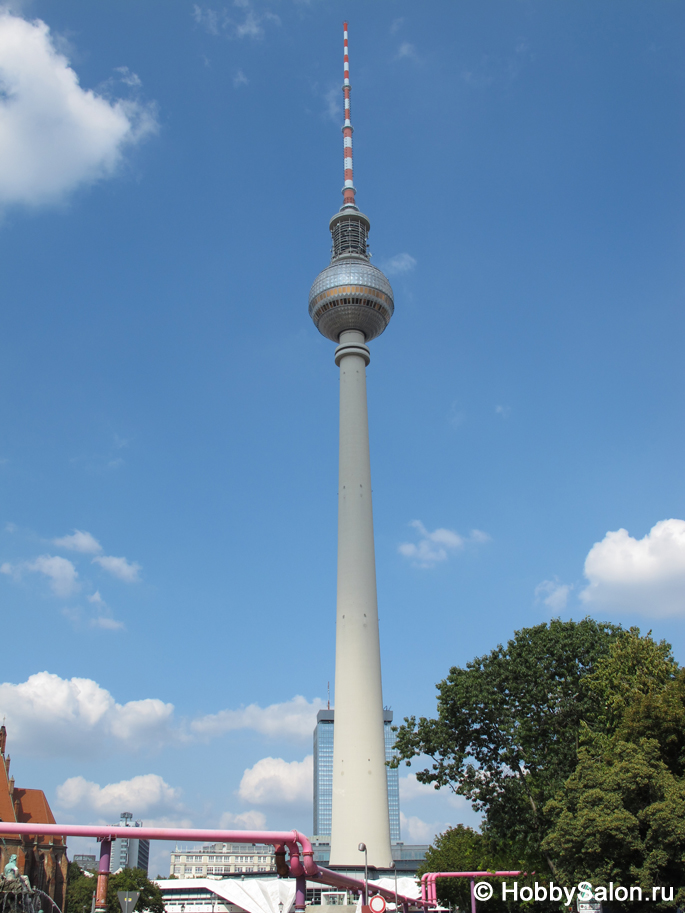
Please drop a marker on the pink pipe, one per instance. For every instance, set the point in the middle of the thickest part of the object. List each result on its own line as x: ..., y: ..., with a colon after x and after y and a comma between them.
x: 289, y: 838
x: 336, y: 879
x: 292, y: 839
x: 429, y: 893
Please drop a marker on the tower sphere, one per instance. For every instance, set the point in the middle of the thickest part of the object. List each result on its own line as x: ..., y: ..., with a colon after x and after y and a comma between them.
x: 350, y: 294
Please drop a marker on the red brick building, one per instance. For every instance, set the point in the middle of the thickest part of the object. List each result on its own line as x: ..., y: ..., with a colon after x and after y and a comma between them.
x: 43, y: 859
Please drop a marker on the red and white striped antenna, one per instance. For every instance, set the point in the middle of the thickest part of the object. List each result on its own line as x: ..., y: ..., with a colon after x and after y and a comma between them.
x: 348, y: 189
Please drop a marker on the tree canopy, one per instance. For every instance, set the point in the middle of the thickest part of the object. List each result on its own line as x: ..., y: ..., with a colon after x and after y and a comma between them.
x: 571, y: 741
x: 507, y: 728
x: 80, y: 892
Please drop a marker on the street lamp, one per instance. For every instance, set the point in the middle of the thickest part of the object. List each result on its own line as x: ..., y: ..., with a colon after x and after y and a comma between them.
x: 394, y: 869
x: 280, y: 906
x: 362, y: 849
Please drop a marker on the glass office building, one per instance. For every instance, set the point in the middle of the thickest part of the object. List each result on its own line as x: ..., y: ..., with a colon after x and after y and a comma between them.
x: 323, y: 774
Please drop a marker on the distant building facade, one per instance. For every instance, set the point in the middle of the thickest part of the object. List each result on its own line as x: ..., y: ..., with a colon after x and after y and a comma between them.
x: 130, y: 852
x: 43, y: 859
x: 86, y: 862
x: 222, y: 859
x: 323, y: 774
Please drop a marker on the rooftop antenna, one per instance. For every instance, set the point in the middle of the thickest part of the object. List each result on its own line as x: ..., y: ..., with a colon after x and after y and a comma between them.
x: 329, y: 695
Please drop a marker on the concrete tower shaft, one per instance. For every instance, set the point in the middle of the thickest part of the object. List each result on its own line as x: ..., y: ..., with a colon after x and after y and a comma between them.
x: 360, y: 786
x: 351, y: 302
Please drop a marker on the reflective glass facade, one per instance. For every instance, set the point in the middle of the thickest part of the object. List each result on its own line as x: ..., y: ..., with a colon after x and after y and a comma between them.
x: 323, y: 775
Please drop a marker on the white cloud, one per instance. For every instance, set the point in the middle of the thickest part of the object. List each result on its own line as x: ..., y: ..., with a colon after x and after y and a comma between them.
x: 79, y: 541
x: 553, y: 593
x: 217, y: 23
x: 60, y: 571
x: 77, y: 716
x: 56, y: 136
x: 399, y: 264
x: 333, y: 106
x: 107, y: 623
x: 641, y: 575
x: 119, y: 567
x: 293, y: 719
x: 96, y: 599
x: 415, y: 830
x: 504, y: 411
x: 432, y: 548
x: 410, y: 788
x: 251, y: 820
x: 273, y: 781
x: 147, y: 794
x: 396, y: 25
x: 240, y: 79
x: 407, y: 51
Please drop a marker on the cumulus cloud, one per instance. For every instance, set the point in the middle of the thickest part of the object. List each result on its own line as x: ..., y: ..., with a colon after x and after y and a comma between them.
x: 293, y: 719
x: 410, y: 788
x: 249, y: 820
x: 432, y: 548
x: 119, y: 567
x: 399, y: 264
x: 641, y: 575
x: 149, y: 794
x: 56, y: 136
x: 415, y: 830
x: 79, y: 541
x: 553, y: 593
x: 273, y: 781
x: 60, y: 571
x: 76, y: 716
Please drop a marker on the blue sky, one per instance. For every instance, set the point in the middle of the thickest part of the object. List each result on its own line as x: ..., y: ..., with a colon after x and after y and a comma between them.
x: 168, y: 172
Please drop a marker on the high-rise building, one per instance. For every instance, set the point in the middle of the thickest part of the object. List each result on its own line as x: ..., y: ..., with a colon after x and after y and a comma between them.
x: 323, y: 774
x: 351, y: 302
x: 130, y: 853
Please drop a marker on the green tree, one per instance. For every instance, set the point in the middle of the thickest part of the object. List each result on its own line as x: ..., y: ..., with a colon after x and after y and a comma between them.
x: 80, y: 892
x: 507, y: 728
x: 620, y: 818
x: 134, y: 880
x: 461, y: 849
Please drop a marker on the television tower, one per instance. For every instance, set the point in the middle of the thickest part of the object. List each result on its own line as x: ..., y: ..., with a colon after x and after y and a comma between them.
x: 351, y: 302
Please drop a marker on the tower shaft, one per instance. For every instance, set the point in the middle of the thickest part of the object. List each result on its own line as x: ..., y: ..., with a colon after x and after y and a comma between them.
x: 360, y: 793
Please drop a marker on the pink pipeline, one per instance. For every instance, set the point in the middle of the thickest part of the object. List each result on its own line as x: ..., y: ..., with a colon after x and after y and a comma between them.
x: 429, y: 894
x: 293, y: 840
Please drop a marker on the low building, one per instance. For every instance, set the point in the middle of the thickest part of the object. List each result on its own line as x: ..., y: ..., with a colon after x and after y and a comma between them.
x: 41, y: 858
x: 222, y: 859
x: 406, y: 856
x: 86, y: 862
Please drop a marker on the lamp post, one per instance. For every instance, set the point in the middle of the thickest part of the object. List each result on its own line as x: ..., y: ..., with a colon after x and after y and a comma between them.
x: 394, y: 871
x: 362, y: 849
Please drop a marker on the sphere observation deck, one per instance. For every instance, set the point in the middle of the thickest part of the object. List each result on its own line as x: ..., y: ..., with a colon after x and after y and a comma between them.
x: 350, y: 294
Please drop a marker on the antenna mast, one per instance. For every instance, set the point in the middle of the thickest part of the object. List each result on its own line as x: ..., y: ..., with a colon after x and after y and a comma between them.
x: 348, y: 189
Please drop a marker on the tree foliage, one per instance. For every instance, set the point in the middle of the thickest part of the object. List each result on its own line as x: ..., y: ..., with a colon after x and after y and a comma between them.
x: 80, y: 892
x: 461, y: 849
x: 506, y: 731
x: 620, y: 817
x: 571, y: 740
